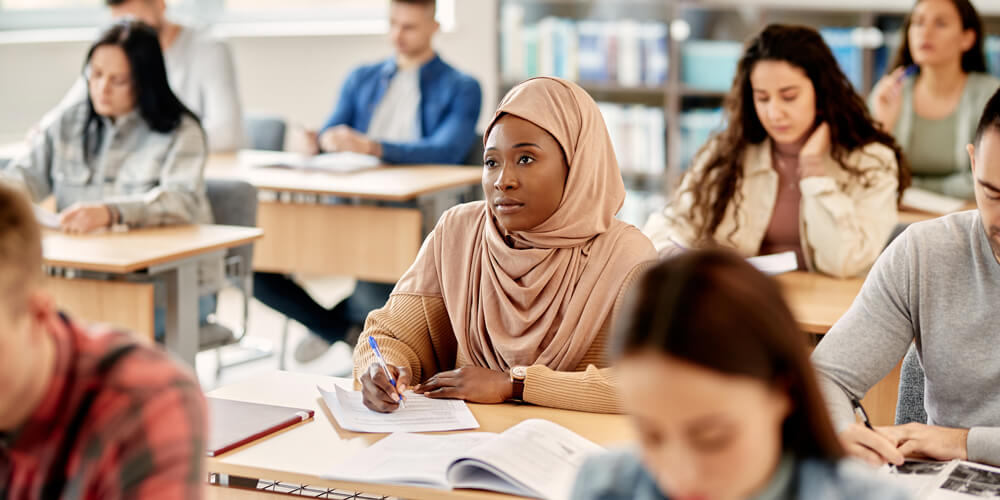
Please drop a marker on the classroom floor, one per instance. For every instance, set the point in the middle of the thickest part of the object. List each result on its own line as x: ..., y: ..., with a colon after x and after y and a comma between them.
x: 265, y: 328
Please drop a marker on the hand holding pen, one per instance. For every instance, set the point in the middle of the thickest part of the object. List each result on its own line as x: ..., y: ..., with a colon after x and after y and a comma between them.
x: 863, y: 441
x: 383, y: 385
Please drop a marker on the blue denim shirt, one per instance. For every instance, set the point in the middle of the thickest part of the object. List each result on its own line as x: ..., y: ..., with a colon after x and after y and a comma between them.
x: 620, y: 476
x: 449, y: 108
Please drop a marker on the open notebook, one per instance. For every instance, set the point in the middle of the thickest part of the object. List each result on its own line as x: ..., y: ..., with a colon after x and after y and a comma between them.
x: 342, y: 163
x: 955, y: 480
x: 535, y: 458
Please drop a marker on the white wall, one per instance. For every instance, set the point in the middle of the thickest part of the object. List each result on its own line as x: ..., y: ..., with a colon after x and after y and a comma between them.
x: 297, y: 77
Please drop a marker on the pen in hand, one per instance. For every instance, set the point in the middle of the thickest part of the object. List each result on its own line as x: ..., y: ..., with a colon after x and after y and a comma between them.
x: 863, y: 415
x: 385, y: 368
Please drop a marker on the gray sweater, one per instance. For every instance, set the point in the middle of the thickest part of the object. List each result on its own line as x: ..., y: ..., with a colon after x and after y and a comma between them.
x: 937, y: 284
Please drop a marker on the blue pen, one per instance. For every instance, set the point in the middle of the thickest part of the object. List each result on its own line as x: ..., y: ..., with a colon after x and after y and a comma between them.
x: 909, y: 71
x: 385, y: 368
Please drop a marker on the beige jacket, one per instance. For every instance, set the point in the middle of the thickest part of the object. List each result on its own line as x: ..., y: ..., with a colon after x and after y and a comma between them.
x: 844, y: 224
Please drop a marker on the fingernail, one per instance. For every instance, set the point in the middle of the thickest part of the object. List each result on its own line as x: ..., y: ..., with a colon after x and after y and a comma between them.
x: 395, y: 397
x: 402, y: 387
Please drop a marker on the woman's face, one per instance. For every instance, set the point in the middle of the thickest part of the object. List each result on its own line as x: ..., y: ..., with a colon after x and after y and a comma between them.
x: 705, y: 435
x: 109, y: 80
x: 785, y: 100
x: 524, y: 174
x: 936, y: 35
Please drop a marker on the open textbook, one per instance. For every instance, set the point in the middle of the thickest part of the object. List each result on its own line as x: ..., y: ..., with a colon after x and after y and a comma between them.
x: 421, y: 413
x: 955, y: 480
x: 341, y: 163
x: 535, y: 458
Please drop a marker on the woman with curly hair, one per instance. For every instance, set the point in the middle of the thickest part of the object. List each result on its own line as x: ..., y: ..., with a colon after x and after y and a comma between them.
x: 800, y: 166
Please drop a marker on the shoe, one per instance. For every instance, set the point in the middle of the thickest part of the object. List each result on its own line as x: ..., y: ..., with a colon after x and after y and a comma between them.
x: 311, y: 348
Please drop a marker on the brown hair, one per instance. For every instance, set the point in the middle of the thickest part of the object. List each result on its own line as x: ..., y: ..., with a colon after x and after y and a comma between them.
x: 837, y: 104
x: 973, y: 60
x: 20, y: 247
x: 714, y: 309
x: 431, y: 4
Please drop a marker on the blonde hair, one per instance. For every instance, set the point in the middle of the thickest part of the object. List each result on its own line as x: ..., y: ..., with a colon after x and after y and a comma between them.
x: 20, y: 248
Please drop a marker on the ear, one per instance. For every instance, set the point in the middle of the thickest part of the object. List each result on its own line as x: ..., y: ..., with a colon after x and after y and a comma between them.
x: 971, y: 148
x: 968, y: 40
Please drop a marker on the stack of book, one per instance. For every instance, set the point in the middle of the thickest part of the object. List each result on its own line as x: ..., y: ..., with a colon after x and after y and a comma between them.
x: 639, y: 137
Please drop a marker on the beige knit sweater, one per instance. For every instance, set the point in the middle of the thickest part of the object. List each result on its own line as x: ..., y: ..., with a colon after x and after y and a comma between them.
x: 414, y: 331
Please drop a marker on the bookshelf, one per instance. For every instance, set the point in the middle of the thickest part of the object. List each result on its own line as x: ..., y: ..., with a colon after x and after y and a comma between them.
x: 703, y: 40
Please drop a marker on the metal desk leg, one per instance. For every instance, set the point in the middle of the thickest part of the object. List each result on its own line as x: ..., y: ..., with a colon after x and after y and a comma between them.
x: 181, y: 336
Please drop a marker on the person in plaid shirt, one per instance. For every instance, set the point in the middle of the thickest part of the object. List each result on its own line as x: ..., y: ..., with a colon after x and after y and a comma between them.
x: 85, y: 413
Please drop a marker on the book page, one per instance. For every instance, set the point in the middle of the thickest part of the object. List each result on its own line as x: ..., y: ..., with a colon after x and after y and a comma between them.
x: 405, y: 458
x: 421, y: 414
x: 914, y: 476
x: 965, y: 481
x: 539, y: 456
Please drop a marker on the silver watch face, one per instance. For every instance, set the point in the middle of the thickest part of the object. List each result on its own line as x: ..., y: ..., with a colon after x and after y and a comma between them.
x: 519, y: 372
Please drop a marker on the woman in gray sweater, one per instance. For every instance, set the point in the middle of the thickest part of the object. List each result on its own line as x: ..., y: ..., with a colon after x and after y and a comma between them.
x: 932, y: 99
x: 714, y: 371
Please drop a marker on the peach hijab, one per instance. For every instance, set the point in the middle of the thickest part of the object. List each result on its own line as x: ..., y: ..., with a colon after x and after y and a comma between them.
x: 544, y: 301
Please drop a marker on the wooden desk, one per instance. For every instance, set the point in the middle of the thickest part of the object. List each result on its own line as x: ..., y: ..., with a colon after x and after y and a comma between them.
x: 302, y: 453
x: 303, y: 234
x: 817, y: 302
x: 172, y: 253
x: 909, y: 215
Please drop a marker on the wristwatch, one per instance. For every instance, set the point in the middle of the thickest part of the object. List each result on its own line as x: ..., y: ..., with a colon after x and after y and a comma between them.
x: 517, y: 376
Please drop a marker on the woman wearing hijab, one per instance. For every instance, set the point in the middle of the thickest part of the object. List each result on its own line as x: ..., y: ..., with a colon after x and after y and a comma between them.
x: 512, y: 298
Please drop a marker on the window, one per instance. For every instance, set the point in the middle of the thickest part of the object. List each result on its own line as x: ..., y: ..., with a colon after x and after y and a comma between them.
x: 46, y: 14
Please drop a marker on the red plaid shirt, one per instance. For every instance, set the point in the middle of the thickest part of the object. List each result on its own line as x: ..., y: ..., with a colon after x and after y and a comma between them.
x: 120, y: 420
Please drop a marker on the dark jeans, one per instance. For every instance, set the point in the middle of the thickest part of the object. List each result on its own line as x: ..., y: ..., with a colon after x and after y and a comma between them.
x: 281, y: 293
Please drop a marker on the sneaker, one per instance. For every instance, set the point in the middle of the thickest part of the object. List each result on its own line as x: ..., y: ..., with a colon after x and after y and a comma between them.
x: 311, y: 348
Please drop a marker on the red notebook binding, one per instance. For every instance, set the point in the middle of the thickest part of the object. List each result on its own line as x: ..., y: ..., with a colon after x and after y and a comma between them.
x: 236, y: 423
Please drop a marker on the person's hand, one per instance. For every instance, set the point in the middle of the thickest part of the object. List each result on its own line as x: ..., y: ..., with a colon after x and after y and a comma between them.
x: 471, y: 383
x: 816, y: 148
x: 929, y: 441
x: 378, y: 393
x: 303, y: 141
x: 85, y: 217
x: 876, y: 447
x: 344, y: 138
x: 888, y: 99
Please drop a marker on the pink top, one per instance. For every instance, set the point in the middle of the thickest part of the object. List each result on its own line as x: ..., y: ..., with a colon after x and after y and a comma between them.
x: 782, y: 233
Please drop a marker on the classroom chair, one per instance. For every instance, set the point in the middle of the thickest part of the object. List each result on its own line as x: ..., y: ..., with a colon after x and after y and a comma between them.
x: 234, y: 203
x: 910, y: 402
x: 264, y: 131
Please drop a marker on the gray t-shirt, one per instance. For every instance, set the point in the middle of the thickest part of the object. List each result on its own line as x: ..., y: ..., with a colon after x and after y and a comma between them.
x: 396, y: 117
x: 937, y: 284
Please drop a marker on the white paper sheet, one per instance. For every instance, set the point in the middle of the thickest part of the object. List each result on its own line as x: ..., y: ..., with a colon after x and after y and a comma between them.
x: 45, y: 218
x: 421, y: 414
x: 775, y: 263
x: 927, y: 201
x: 344, y: 162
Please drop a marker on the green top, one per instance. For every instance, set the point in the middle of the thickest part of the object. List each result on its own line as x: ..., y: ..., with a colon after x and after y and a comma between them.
x: 958, y: 182
x: 933, y: 154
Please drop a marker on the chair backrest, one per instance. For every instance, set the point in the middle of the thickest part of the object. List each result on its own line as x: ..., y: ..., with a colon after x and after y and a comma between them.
x: 234, y: 203
x: 265, y: 132
x: 910, y: 403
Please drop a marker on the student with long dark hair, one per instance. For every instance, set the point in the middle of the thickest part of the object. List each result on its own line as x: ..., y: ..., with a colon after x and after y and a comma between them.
x: 716, y: 376
x: 129, y: 155
x: 932, y: 98
x: 800, y: 165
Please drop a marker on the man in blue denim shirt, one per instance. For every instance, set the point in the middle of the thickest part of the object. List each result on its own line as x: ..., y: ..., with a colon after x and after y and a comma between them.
x: 411, y: 108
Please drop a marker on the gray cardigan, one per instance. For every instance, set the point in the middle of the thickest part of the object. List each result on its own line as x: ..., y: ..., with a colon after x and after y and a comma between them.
x: 978, y: 90
x: 621, y: 476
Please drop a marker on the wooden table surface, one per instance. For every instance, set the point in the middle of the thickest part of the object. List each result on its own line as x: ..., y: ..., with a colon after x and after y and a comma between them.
x: 817, y: 301
x: 389, y: 183
x: 130, y: 251
x: 302, y: 453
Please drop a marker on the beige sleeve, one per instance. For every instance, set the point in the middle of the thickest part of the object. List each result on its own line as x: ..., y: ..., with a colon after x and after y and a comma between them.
x: 412, y: 331
x: 594, y: 388
x: 845, y: 230
x: 672, y: 229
